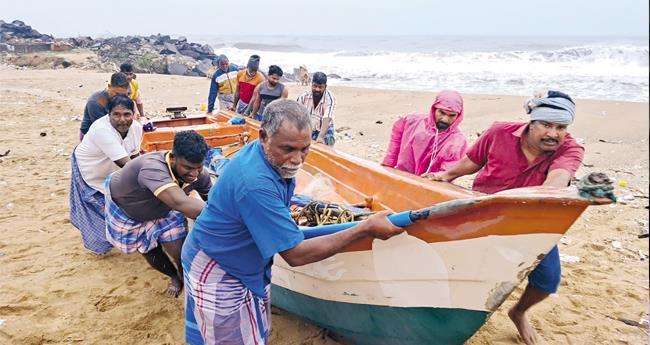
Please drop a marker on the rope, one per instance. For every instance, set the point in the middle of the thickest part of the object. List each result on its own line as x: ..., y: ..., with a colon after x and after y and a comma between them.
x: 317, y: 213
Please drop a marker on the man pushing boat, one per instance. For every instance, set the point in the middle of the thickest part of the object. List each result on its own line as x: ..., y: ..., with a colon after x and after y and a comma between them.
x: 228, y: 255
x: 513, y: 155
x: 147, y: 202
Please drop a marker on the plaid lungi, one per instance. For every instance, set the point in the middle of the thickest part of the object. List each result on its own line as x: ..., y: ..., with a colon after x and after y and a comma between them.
x: 219, y: 309
x: 87, y: 212
x: 225, y: 101
x: 129, y: 234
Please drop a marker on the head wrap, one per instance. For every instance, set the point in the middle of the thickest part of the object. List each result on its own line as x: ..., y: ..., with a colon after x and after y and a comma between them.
x: 551, y: 106
x: 253, y: 62
x: 450, y: 101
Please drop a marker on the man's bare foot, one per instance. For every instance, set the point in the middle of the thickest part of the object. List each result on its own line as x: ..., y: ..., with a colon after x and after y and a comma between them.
x: 526, y: 331
x: 175, y: 287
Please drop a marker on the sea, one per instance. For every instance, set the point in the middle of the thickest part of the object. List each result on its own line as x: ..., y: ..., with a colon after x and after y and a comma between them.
x: 604, y: 68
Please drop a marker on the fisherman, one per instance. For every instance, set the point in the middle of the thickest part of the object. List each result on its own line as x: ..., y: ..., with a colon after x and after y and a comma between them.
x: 108, y: 145
x: 127, y: 69
x: 513, y: 155
x: 223, y: 84
x: 427, y: 143
x: 227, y: 256
x: 148, y: 200
x: 320, y: 103
x: 247, y: 80
x: 97, y: 104
x: 269, y: 91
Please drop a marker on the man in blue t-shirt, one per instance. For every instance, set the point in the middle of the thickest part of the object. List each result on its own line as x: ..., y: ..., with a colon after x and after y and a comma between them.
x: 228, y: 255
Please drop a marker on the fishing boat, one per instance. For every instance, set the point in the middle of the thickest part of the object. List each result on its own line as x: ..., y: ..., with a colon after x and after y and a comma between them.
x: 439, y: 281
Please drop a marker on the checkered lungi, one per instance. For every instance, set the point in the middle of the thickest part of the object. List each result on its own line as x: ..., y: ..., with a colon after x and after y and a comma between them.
x: 129, y: 235
x: 219, y: 308
x: 87, y: 212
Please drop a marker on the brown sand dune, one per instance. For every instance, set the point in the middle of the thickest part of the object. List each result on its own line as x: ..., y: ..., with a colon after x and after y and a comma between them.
x: 53, y: 292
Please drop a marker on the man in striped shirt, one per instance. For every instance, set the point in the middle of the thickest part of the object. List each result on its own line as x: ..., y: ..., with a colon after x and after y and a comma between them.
x: 320, y: 102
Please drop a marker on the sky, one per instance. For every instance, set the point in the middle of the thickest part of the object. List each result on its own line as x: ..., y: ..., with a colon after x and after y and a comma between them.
x: 66, y: 18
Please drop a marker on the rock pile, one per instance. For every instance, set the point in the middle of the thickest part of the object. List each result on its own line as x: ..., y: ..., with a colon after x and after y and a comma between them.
x: 17, y: 31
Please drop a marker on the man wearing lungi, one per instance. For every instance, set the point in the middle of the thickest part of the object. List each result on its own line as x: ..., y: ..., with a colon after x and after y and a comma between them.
x: 110, y: 143
x: 524, y: 154
x: 228, y: 255
x: 148, y: 200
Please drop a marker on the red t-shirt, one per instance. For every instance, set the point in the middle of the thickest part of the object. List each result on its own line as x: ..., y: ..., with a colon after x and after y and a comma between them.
x: 504, y: 165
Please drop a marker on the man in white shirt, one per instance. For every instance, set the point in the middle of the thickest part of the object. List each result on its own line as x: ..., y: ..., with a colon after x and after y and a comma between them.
x: 320, y: 103
x: 111, y: 142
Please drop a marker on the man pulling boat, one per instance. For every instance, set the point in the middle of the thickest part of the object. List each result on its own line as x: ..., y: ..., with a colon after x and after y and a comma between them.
x: 228, y: 255
x: 513, y: 155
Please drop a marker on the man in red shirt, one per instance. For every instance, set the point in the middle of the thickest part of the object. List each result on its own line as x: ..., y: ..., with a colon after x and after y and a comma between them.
x: 513, y: 155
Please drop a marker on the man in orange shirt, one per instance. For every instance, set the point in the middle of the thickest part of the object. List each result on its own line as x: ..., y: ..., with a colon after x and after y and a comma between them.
x: 247, y: 80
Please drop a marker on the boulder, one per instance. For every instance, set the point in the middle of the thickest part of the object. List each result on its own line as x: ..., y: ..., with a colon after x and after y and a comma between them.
x: 175, y: 68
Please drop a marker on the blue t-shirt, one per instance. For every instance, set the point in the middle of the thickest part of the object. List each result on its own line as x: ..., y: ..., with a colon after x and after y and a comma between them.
x: 247, y: 220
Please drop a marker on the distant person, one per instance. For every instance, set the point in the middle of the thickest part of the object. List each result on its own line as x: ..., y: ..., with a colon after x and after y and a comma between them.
x: 524, y: 154
x: 147, y: 202
x: 127, y: 69
x: 111, y: 142
x: 247, y: 80
x: 268, y: 92
x: 97, y: 104
x: 427, y: 143
x: 320, y: 103
x: 223, y: 84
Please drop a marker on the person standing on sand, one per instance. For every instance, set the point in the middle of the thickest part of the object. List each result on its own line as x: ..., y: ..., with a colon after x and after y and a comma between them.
x: 223, y: 84
x: 96, y: 106
x: 267, y: 92
x: 427, y: 143
x: 514, y: 155
x: 320, y: 103
x: 109, y: 144
x: 127, y: 69
x: 148, y: 200
x: 247, y: 80
x: 228, y: 255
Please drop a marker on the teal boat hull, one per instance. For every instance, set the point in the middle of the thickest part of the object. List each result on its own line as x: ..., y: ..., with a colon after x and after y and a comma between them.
x: 365, y: 324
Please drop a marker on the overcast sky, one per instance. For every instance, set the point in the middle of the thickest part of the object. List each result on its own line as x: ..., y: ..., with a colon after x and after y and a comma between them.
x: 65, y: 18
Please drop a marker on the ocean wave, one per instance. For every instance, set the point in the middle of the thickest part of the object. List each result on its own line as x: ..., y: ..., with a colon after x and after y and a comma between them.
x: 270, y: 47
x: 614, y: 72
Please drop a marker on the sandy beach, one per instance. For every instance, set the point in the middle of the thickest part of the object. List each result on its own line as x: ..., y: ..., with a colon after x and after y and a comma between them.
x: 52, y: 291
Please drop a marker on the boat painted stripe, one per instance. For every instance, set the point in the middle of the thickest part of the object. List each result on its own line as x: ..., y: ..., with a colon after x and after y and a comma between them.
x: 364, y: 324
x: 474, y: 274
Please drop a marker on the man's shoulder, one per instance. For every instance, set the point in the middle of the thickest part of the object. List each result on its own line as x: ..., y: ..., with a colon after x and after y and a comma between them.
x: 501, y: 127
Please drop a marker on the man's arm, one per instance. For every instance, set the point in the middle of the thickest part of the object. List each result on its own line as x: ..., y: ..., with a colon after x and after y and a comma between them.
x: 285, y: 93
x: 140, y: 107
x: 464, y: 167
x: 320, y: 248
x: 325, y: 125
x: 122, y: 161
x: 558, y: 178
x: 256, y: 101
x: 395, y: 143
x: 236, y: 96
x: 214, y: 91
x: 175, y: 198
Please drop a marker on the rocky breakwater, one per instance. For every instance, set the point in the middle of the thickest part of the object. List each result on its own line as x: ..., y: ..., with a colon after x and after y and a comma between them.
x: 153, y: 54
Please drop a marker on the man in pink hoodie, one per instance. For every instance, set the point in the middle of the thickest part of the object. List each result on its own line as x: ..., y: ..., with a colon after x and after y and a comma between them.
x: 427, y: 143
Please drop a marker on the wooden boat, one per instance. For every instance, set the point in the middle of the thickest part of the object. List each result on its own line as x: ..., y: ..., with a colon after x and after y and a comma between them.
x: 440, y: 281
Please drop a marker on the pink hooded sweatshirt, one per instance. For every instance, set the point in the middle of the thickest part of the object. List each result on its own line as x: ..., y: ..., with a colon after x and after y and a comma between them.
x: 417, y: 146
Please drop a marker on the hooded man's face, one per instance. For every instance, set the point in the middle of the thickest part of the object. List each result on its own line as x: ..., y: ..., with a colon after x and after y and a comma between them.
x: 223, y: 64
x: 444, y: 119
x: 546, y: 136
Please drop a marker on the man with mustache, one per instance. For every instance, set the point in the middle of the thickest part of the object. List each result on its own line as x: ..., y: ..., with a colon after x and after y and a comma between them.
x: 148, y: 201
x: 268, y: 92
x: 320, y: 103
x: 513, y: 155
x: 228, y: 255
x: 111, y: 142
x: 427, y: 143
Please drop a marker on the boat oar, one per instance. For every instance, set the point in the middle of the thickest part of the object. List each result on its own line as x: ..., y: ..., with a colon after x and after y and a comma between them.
x: 401, y: 219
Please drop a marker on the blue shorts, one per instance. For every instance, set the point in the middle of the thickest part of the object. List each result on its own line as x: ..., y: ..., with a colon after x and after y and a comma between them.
x: 546, y: 276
